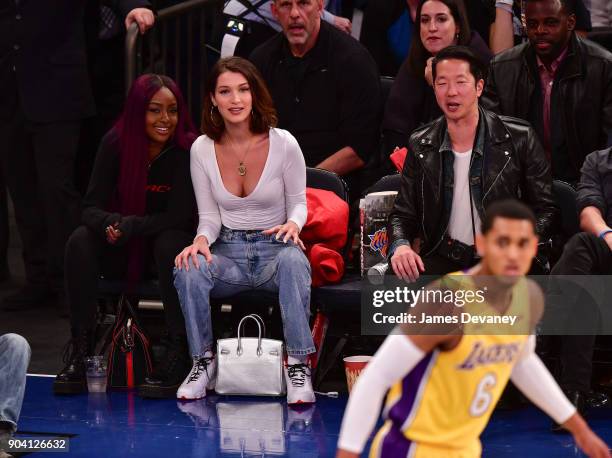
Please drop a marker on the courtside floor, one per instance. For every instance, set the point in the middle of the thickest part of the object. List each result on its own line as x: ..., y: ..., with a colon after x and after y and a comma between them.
x: 121, y: 424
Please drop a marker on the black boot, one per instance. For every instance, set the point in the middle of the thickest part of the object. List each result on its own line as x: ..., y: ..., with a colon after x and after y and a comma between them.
x: 73, y: 378
x: 6, y: 433
x: 170, y: 373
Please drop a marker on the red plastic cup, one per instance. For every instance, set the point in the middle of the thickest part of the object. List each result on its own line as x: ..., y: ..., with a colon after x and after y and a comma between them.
x: 353, y: 365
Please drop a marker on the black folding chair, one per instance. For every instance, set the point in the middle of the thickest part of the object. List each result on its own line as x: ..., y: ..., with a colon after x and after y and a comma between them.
x: 565, y: 198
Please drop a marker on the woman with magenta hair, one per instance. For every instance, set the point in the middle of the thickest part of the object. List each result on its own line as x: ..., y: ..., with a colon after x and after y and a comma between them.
x: 249, y: 180
x: 138, y: 213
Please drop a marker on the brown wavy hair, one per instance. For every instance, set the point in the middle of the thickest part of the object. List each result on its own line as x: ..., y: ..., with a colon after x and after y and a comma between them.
x: 264, y: 114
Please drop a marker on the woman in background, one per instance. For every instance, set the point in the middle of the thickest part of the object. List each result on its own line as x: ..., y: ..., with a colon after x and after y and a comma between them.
x: 139, y: 211
x: 412, y: 103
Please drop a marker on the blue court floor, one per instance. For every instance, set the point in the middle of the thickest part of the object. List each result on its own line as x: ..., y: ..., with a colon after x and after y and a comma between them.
x: 121, y: 424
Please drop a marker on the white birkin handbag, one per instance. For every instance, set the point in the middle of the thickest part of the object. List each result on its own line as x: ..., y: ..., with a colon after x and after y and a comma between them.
x: 251, y: 366
x: 251, y: 428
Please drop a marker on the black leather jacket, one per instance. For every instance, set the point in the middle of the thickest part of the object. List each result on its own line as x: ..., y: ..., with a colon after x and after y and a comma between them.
x: 584, y: 97
x: 514, y: 166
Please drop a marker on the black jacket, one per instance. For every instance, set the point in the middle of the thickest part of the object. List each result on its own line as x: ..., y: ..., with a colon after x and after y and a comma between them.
x: 43, y: 64
x: 170, y: 201
x: 584, y: 94
x: 595, y: 188
x: 412, y: 102
x: 514, y: 166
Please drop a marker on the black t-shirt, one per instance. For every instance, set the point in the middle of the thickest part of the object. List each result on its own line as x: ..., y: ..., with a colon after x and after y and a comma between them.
x: 328, y: 99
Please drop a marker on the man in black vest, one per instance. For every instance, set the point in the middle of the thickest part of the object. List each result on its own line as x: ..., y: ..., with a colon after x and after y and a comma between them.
x: 45, y: 96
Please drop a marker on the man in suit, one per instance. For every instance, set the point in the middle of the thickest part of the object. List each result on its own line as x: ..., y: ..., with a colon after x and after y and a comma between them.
x: 45, y: 96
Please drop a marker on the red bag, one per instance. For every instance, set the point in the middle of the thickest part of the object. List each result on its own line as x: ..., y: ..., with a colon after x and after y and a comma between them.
x: 129, y: 359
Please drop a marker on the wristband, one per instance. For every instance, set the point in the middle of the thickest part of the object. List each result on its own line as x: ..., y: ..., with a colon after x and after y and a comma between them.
x: 503, y: 6
x: 603, y: 233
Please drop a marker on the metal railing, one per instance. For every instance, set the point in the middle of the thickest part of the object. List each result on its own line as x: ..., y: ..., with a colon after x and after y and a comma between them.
x: 176, y: 46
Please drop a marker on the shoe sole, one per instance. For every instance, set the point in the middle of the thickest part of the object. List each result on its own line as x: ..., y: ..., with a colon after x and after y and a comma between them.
x: 300, y: 402
x: 183, y: 398
x: 195, y: 399
x: 145, y: 391
x: 69, y: 387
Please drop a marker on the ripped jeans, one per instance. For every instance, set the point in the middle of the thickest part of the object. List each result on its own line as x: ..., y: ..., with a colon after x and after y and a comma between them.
x: 245, y: 260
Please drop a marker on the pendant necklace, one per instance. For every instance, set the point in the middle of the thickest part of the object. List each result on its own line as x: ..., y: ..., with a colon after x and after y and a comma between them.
x: 242, y: 170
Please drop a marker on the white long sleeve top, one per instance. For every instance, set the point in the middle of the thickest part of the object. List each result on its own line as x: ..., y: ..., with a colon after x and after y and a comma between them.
x: 279, y: 196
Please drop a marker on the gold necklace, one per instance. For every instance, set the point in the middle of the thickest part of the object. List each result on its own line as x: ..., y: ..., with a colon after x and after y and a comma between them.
x: 242, y: 170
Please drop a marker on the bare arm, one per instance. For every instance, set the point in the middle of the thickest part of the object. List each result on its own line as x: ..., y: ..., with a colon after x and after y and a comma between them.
x: 591, y: 221
x: 533, y: 379
x: 342, y: 161
x: 501, y: 33
x: 412, y: 7
x: 396, y: 357
x: 586, y: 439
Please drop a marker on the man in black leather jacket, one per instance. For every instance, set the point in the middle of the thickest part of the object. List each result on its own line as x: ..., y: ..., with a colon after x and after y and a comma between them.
x: 558, y: 82
x: 504, y: 160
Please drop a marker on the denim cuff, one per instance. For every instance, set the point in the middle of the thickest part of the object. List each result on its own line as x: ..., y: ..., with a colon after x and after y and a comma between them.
x: 203, y: 352
x: 308, y: 351
x: 11, y: 425
x: 393, y: 247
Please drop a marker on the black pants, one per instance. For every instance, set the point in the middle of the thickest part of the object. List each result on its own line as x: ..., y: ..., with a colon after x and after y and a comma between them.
x: 439, y: 265
x: 88, y: 256
x: 38, y: 163
x: 584, y: 254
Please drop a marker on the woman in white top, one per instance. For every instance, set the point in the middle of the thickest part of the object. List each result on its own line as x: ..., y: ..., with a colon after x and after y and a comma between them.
x: 250, y: 185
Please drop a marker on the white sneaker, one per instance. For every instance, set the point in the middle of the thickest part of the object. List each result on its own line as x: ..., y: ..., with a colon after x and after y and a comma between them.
x: 299, y: 419
x: 299, y: 385
x: 202, y: 376
x: 203, y: 413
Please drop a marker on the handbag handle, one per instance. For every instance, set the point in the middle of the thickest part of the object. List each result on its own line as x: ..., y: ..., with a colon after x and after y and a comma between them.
x: 252, y: 317
x: 261, y: 321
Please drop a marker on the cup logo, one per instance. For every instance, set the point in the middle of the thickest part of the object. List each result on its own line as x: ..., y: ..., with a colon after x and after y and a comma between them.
x: 379, y: 241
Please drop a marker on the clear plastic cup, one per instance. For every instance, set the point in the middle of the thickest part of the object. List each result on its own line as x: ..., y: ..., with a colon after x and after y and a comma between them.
x: 96, y: 374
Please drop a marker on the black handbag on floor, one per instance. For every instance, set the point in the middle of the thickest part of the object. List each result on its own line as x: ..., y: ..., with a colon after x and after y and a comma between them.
x: 129, y: 359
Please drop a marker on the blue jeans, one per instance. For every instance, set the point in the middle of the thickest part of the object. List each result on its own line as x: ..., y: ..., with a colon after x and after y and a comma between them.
x: 14, y: 359
x: 245, y: 260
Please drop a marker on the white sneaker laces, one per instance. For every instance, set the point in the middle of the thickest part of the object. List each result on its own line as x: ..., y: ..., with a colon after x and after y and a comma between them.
x: 201, y: 365
x: 297, y: 374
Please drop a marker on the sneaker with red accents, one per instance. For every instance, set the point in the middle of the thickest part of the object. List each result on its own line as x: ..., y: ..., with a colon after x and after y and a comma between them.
x: 299, y: 384
x: 202, y: 376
